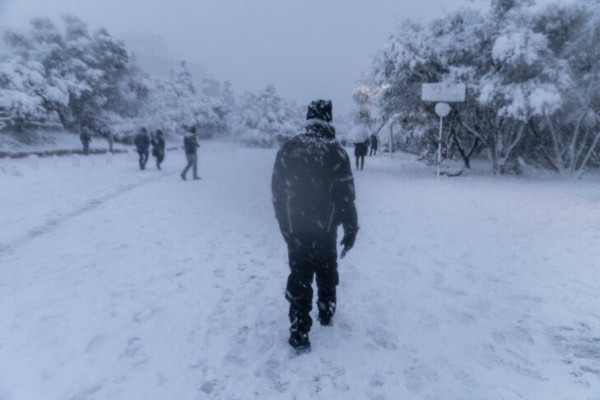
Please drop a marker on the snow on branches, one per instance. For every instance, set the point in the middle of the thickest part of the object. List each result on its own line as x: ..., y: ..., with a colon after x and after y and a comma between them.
x: 529, y: 85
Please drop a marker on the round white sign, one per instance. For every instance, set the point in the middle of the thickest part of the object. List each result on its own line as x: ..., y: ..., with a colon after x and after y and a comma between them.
x: 442, y: 109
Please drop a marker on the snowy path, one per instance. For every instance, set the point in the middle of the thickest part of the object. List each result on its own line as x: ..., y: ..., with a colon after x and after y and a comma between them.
x: 122, y: 284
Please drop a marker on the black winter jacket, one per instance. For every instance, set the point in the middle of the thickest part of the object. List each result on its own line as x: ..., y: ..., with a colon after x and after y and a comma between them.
x: 158, y: 146
x: 361, y: 148
x: 142, y: 142
x: 312, y: 184
x: 190, y: 143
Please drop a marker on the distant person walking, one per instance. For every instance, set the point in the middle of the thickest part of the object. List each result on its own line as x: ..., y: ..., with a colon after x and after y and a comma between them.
x: 360, y: 151
x: 85, y: 138
x: 313, y: 193
x: 374, y: 144
x: 190, y: 146
x: 158, y: 147
x: 142, y: 144
x: 110, y: 138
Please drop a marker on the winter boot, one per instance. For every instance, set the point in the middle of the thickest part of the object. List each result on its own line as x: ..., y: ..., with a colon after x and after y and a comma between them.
x: 299, y: 341
x: 326, y: 311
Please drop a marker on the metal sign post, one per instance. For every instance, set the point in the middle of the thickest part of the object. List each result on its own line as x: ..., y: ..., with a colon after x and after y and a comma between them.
x: 442, y: 110
x: 442, y: 93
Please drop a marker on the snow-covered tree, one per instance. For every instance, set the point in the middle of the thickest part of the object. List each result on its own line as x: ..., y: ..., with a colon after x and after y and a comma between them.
x: 174, y: 104
x: 84, y: 79
x: 365, y: 97
x: 263, y: 119
x: 530, y: 86
x: 29, y: 94
x: 228, y: 104
x: 80, y: 76
x: 567, y: 139
x: 22, y: 86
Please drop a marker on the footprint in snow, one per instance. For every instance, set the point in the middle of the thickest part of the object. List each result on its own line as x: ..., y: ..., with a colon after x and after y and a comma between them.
x: 219, y: 273
x: 580, y: 347
x: 242, y: 335
x: 133, y: 348
x: 209, y: 387
x: 146, y: 314
x: 382, y: 339
x: 338, y: 379
x: 271, y: 371
x: 418, y: 376
x: 95, y: 343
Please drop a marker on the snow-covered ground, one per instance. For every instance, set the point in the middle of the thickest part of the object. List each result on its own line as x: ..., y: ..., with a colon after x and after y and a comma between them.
x: 117, y: 283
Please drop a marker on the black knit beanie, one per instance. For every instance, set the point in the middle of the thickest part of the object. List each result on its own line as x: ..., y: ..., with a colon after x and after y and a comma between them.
x: 320, y: 109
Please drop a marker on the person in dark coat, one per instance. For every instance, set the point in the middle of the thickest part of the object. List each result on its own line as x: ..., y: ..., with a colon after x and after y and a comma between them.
x: 110, y: 138
x: 190, y: 146
x: 360, y: 151
x: 142, y: 144
x: 85, y: 138
x: 158, y: 147
x: 313, y: 193
x: 374, y: 144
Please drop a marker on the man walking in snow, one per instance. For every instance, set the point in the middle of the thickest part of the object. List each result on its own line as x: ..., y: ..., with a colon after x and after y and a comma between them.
x: 360, y: 151
x: 158, y: 147
x: 142, y: 144
x: 313, y: 193
x: 85, y: 138
x: 110, y: 138
x: 190, y: 145
x: 374, y: 144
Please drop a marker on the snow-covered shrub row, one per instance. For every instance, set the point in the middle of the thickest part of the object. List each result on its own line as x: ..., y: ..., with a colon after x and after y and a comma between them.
x: 532, y: 93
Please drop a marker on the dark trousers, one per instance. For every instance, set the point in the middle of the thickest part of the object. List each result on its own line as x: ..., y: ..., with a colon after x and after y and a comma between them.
x: 373, y: 150
x: 192, y: 162
x: 143, y: 158
x: 362, y: 162
x: 86, y: 148
x: 159, y: 159
x: 311, y: 255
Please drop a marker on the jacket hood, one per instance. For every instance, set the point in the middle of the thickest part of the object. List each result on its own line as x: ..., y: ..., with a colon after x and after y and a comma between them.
x: 320, y: 128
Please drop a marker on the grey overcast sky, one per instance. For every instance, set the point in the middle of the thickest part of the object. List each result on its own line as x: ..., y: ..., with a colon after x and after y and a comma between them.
x: 308, y: 49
